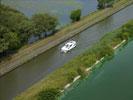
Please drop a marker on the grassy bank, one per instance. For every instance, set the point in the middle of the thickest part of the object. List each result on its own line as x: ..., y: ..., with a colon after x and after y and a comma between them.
x: 56, y: 81
x: 30, y: 51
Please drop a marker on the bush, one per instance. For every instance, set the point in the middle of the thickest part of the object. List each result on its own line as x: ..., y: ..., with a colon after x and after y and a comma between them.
x: 124, y: 35
x: 88, y: 60
x: 128, y: 29
x: 71, y: 75
x: 81, y: 71
x: 105, y: 3
x: 106, y: 50
x: 49, y: 94
x: 75, y: 15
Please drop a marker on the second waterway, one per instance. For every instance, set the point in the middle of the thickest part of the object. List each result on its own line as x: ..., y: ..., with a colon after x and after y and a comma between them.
x: 29, y: 73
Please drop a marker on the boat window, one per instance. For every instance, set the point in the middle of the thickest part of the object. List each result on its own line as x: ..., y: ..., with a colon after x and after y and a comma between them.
x: 67, y: 45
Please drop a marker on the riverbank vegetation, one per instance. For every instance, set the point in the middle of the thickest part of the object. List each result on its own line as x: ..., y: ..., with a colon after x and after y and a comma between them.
x: 105, y: 3
x: 16, y: 28
x: 22, y: 28
x: 58, y: 79
x: 75, y: 15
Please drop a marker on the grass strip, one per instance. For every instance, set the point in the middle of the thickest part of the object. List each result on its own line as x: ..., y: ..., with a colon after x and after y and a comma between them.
x: 66, y: 74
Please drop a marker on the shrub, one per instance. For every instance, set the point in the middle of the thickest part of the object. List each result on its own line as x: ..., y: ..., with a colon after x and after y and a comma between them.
x: 81, y: 71
x: 128, y: 28
x: 75, y: 15
x: 71, y: 76
x: 49, y: 94
x: 102, y: 49
x: 124, y: 35
x: 88, y: 60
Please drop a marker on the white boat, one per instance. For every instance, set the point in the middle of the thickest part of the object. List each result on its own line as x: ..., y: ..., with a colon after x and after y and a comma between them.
x: 68, y: 46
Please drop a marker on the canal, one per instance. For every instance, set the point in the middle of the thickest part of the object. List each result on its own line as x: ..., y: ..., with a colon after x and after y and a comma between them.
x: 29, y: 73
x: 112, y: 81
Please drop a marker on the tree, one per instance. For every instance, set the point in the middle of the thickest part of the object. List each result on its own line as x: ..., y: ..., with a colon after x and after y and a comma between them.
x: 16, y: 22
x: 105, y: 3
x: 13, y: 40
x: 3, y: 42
x: 8, y: 40
x: 128, y: 28
x: 49, y: 94
x: 75, y: 15
x: 24, y: 31
x: 16, y: 28
x: 43, y: 23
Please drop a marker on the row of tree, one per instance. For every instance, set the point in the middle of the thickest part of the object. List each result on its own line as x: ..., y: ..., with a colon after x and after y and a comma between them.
x: 16, y: 28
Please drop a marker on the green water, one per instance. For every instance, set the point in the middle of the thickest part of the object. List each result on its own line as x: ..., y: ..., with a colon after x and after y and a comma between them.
x: 112, y: 81
x: 38, y: 68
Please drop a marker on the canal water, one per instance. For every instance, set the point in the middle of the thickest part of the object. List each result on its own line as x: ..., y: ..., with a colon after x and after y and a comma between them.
x: 59, y: 8
x: 31, y: 72
x: 112, y: 81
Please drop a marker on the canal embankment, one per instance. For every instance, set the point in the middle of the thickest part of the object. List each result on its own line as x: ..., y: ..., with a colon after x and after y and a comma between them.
x: 77, y: 67
x: 28, y: 52
x: 111, y: 80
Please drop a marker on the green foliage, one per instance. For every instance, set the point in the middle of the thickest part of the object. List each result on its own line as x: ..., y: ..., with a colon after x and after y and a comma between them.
x: 127, y: 29
x: 25, y: 31
x: 8, y: 40
x: 11, y: 18
x: 77, y: 66
x: 3, y: 42
x: 105, y: 3
x: 49, y: 94
x: 75, y: 15
x: 43, y: 23
x: 103, y: 48
x: 13, y: 40
x: 81, y: 71
x: 16, y: 28
x: 88, y: 60
x: 71, y: 75
x: 123, y: 35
